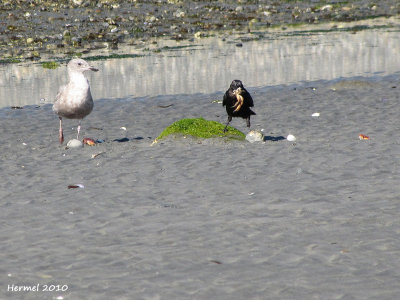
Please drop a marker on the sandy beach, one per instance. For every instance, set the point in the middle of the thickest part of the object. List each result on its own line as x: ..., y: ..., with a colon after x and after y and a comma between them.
x: 207, y: 219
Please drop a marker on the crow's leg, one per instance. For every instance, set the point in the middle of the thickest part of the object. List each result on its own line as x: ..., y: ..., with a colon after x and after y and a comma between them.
x: 227, y: 123
x: 248, y: 121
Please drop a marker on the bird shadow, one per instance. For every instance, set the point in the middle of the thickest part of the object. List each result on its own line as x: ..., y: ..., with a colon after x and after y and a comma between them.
x: 123, y: 140
x: 274, y: 138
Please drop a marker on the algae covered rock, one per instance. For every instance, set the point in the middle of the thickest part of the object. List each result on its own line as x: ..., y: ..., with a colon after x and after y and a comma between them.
x: 200, y: 128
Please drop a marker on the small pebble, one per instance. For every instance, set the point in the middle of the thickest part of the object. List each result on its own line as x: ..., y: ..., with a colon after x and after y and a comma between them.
x: 363, y: 137
x: 326, y: 7
x: 255, y: 136
x: 317, y: 114
x: 89, y: 141
x: 198, y: 35
x: 74, y: 143
x: 239, y: 9
x: 291, y: 138
x: 76, y: 186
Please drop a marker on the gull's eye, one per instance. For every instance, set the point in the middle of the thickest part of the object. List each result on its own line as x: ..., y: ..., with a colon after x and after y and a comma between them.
x: 79, y: 64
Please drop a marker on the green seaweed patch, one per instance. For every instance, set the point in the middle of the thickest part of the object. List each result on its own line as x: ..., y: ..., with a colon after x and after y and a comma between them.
x: 50, y: 65
x: 334, y: 29
x: 112, y: 56
x: 201, y: 128
x: 174, y: 48
x: 10, y: 60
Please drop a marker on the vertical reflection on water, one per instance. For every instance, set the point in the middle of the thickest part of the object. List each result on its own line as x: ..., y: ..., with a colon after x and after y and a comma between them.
x: 210, y: 67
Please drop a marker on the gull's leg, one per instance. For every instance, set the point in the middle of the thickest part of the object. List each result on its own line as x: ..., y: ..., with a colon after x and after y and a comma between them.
x: 60, y: 132
x: 227, y: 123
x: 79, y: 129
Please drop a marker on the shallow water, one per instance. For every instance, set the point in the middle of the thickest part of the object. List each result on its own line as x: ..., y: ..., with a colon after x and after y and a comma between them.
x: 208, y: 66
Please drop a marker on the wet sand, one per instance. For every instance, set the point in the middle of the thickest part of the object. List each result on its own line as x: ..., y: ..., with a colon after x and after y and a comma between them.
x: 193, y: 219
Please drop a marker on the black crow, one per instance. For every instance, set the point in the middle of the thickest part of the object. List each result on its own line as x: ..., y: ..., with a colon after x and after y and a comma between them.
x: 238, y: 102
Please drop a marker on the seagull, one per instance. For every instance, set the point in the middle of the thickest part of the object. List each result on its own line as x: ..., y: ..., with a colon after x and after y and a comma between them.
x: 238, y: 102
x: 74, y: 100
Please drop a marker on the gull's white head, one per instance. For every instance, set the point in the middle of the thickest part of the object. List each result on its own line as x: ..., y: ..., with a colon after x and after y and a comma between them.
x: 80, y: 65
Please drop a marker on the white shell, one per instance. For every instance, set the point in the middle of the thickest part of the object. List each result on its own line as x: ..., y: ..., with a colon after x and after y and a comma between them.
x: 74, y: 143
x: 291, y: 138
x: 317, y: 114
